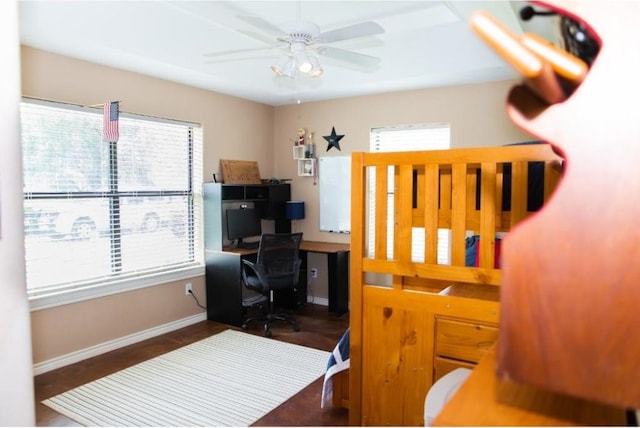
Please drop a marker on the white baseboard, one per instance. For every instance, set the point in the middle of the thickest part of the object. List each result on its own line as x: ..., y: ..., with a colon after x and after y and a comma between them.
x: 93, y: 351
x: 323, y: 301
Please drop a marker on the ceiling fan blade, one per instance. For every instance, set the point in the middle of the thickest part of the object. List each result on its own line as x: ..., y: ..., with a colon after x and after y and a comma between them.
x: 224, y: 60
x: 267, y: 40
x: 263, y: 25
x: 363, y: 29
x: 236, y: 51
x: 349, y: 56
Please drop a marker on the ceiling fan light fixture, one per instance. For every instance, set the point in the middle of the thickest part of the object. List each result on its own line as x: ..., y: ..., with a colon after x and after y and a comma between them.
x: 291, y: 69
x: 280, y: 67
x: 304, y: 62
x: 316, y: 69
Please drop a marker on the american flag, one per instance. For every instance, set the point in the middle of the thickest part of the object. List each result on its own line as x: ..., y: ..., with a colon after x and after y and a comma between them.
x: 110, y: 122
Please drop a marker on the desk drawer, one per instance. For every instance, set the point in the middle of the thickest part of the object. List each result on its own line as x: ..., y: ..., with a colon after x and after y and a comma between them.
x: 464, y: 340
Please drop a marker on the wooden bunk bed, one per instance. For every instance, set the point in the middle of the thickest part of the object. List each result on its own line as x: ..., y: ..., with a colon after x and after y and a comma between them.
x: 570, y: 359
x: 412, y: 320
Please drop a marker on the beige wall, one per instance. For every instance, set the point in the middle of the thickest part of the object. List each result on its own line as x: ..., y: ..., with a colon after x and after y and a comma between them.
x: 63, y: 329
x: 238, y: 129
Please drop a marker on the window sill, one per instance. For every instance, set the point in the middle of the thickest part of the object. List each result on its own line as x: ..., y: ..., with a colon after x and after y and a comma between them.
x: 108, y: 288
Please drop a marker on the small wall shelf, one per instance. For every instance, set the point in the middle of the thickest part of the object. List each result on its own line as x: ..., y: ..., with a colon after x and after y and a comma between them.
x: 306, y: 162
x: 306, y: 167
x: 299, y: 152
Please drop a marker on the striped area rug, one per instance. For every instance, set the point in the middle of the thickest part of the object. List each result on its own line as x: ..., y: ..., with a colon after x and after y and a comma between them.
x: 230, y: 379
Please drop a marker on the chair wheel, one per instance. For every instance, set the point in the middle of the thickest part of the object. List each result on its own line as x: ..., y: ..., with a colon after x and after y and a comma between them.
x: 267, y: 332
x: 244, y: 326
x: 296, y: 328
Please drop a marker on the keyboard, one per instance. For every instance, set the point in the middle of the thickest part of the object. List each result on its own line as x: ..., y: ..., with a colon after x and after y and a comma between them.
x: 249, y: 245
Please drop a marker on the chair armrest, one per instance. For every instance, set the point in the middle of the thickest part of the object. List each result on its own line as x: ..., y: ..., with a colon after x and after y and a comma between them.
x: 250, y: 268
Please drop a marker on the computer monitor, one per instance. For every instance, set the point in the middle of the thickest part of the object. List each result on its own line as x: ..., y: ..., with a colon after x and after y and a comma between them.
x: 243, y: 223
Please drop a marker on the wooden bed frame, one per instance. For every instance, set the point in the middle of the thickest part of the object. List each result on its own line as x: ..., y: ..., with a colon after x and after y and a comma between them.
x: 431, y: 318
x: 567, y: 353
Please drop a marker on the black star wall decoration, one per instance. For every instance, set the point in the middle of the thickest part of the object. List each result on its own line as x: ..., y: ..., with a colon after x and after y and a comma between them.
x: 333, y: 139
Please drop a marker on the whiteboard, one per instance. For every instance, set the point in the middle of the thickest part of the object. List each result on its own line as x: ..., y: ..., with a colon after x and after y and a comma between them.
x: 335, y: 193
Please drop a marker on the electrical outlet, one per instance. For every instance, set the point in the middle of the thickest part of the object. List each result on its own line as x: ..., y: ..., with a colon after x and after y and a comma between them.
x: 187, y: 288
x: 314, y: 273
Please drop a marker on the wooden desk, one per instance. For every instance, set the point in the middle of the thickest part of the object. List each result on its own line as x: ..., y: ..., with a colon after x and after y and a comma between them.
x: 487, y: 401
x: 224, y: 279
x: 324, y: 247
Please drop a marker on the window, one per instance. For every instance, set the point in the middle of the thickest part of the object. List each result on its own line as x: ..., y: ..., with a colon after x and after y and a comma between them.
x: 403, y: 139
x: 101, y: 217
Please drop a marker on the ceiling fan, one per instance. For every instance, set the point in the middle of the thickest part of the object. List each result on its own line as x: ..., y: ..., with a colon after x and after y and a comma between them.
x: 302, y: 42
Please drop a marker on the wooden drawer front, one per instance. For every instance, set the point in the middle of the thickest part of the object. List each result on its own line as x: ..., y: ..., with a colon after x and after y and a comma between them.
x: 442, y: 366
x: 464, y: 340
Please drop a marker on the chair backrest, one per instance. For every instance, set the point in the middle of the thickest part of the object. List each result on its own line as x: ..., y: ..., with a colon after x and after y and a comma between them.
x: 278, y: 252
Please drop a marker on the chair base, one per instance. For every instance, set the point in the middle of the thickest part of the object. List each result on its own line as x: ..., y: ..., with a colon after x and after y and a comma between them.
x: 269, y: 319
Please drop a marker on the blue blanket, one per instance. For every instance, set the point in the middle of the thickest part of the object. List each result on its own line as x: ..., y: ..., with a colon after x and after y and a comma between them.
x: 338, y: 361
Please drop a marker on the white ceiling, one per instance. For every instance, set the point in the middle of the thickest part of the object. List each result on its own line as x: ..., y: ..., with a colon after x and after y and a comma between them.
x: 425, y: 43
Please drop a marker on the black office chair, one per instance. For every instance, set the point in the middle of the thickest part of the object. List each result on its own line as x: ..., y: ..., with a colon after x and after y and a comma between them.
x: 277, y: 268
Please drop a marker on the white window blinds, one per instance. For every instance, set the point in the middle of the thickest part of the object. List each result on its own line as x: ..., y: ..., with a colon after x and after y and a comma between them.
x: 434, y: 136
x: 99, y: 212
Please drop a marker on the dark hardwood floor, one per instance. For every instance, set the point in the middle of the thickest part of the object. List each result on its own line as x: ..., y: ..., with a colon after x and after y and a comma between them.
x: 318, y: 329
